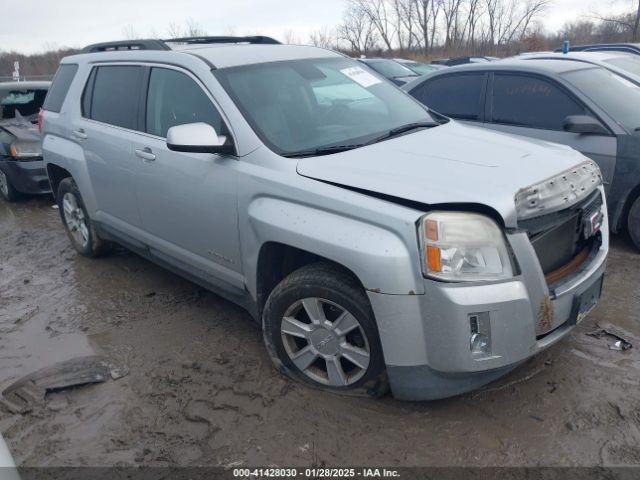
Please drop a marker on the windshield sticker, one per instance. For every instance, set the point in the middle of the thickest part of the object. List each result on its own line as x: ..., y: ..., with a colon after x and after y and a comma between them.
x: 360, y: 76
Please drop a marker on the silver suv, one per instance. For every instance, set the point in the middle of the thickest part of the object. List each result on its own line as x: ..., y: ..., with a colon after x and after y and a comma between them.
x: 377, y: 243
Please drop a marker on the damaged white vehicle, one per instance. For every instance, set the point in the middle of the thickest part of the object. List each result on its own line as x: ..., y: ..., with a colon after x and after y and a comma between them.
x: 375, y: 242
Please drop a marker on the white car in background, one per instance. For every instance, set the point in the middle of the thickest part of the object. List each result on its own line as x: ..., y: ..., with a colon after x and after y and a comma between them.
x: 8, y: 469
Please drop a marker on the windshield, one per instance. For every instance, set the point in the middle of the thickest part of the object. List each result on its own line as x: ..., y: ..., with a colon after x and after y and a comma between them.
x: 389, y: 68
x: 308, y: 104
x: 25, y: 101
x: 419, y: 68
x: 629, y: 63
x: 616, y: 95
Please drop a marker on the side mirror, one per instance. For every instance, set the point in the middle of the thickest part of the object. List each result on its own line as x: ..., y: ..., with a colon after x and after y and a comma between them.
x: 198, y: 138
x: 584, y: 124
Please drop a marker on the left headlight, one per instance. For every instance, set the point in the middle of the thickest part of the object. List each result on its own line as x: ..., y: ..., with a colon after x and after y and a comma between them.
x: 463, y: 247
x: 25, y: 150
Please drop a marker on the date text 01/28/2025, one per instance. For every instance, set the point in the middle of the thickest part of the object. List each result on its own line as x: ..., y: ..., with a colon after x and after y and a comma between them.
x: 315, y: 473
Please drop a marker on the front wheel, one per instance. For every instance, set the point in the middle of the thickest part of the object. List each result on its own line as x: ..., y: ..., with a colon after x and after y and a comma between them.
x: 319, y: 328
x: 77, y: 223
x: 633, y: 223
x: 7, y: 190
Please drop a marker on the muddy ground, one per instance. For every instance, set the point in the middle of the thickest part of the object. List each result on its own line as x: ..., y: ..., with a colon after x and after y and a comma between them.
x: 202, y: 391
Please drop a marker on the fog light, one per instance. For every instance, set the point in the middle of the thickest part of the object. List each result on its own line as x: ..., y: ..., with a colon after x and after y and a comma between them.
x: 480, y: 334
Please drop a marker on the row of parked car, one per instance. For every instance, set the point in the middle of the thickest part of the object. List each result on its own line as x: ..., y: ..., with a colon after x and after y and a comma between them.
x: 377, y: 241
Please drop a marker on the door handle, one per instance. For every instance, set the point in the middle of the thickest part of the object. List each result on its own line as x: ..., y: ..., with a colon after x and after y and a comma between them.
x: 79, y: 134
x: 146, y: 154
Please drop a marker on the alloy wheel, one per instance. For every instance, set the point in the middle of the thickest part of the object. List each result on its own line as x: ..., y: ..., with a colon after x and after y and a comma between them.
x: 75, y: 219
x: 325, y: 341
x: 4, y: 184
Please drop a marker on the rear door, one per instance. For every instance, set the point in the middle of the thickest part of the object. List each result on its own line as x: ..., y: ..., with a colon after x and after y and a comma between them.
x: 535, y: 106
x: 187, y: 201
x: 460, y: 96
x: 110, y: 105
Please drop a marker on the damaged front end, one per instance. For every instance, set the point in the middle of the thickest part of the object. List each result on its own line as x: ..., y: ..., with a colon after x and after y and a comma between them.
x: 20, y: 139
x: 564, y: 218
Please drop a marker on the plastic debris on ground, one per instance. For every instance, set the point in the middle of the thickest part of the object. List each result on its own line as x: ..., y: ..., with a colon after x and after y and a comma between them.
x: 620, y: 344
x: 29, y: 391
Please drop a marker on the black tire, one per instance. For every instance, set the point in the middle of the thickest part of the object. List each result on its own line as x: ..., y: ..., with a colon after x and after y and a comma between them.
x: 7, y: 190
x: 329, y: 283
x: 633, y: 222
x: 94, y: 246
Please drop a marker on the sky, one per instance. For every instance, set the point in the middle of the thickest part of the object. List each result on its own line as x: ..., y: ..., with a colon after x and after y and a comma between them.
x: 36, y: 25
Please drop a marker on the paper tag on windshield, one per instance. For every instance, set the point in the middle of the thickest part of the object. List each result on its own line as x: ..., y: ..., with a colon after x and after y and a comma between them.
x: 360, y: 76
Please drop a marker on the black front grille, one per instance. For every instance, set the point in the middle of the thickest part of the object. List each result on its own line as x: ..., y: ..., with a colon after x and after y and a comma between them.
x: 558, y: 237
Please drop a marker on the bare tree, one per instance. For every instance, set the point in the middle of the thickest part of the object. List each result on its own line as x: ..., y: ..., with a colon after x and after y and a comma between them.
x: 194, y: 29
x: 191, y: 28
x: 405, y: 23
x: 290, y: 37
x: 357, y: 30
x: 323, y: 37
x: 129, y: 32
x: 450, y: 11
x: 381, y: 17
x: 425, y: 21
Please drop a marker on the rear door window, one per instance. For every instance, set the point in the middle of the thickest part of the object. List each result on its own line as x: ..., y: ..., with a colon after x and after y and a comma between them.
x: 60, y: 87
x: 176, y: 99
x: 457, y: 96
x: 115, y: 97
x: 532, y: 102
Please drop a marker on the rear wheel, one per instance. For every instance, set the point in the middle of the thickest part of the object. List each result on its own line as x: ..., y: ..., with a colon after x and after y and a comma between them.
x: 319, y: 328
x: 8, y: 192
x: 633, y: 223
x: 77, y: 222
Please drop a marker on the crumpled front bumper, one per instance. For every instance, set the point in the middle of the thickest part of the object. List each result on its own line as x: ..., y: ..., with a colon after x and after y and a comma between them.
x: 426, y: 338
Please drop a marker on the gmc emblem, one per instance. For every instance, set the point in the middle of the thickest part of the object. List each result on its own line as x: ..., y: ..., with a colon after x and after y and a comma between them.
x: 592, y: 224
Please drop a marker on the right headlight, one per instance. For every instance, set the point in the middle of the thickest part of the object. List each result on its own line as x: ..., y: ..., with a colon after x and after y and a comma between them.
x: 463, y: 247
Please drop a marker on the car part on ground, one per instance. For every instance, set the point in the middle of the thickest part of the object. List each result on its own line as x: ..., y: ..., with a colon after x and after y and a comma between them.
x: 558, y: 99
x: 319, y: 165
x: 29, y: 392
x: 620, y: 343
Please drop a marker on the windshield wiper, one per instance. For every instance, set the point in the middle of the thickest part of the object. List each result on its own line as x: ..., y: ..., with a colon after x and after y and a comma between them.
x: 394, y: 132
x: 315, y: 152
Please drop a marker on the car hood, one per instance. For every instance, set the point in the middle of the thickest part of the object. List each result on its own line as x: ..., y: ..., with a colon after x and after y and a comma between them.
x: 448, y: 164
x: 21, y: 128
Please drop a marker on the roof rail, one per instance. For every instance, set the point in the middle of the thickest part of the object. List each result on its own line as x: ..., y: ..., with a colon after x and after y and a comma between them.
x: 126, y: 45
x: 256, y: 39
x: 151, y: 44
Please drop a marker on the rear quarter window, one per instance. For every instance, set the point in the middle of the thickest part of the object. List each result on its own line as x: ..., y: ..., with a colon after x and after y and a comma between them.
x: 60, y: 87
x: 457, y: 96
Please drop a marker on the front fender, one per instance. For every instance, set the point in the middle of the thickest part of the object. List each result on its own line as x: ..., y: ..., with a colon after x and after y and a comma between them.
x: 378, y: 256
